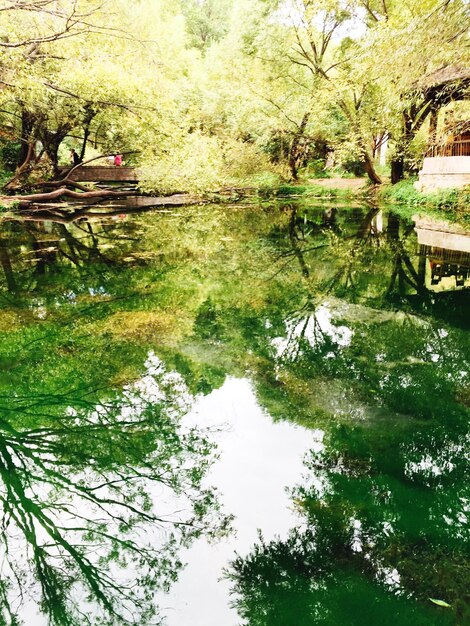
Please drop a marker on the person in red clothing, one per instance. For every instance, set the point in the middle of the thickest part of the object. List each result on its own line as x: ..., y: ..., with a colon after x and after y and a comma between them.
x: 118, y: 159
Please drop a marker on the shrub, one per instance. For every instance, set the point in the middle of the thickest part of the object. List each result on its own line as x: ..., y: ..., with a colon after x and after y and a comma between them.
x: 448, y: 203
x: 9, y: 154
x: 315, y: 169
x: 195, y: 165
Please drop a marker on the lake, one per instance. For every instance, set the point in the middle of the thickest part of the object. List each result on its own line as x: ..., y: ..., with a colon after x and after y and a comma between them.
x: 245, y: 414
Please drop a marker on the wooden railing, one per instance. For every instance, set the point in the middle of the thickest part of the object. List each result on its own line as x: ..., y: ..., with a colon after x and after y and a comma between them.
x: 451, y: 148
x: 456, y: 257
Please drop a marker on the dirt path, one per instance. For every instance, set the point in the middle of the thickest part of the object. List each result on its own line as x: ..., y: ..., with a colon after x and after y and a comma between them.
x: 354, y: 184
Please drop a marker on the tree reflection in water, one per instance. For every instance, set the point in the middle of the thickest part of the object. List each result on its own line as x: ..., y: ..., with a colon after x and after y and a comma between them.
x: 384, y: 504
x: 308, y: 580
x: 98, y: 499
x: 383, y: 533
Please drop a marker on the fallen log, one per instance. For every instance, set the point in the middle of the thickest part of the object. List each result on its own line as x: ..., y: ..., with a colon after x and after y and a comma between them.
x: 65, y: 215
x: 136, y: 203
x: 68, y: 193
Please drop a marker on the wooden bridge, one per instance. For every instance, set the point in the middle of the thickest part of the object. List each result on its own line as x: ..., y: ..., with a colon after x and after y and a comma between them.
x: 105, y: 174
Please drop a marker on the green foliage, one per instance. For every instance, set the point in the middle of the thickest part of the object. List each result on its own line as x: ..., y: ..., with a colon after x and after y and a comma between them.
x: 306, y: 192
x: 291, y: 190
x: 307, y: 579
x: 266, y: 179
x: 315, y: 169
x: 242, y: 102
x: 5, y: 176
x: 206, y: 22
x: 195, y: 165
x: 324, y: 308
x: 204, y: 164
x: 103, y: 432
x: 9, y: 156
x: 449, y: 203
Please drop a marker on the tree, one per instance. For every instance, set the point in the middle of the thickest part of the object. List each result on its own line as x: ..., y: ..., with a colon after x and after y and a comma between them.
x: 309, y: 63
x: 419, y: 74
x: 77, y: 498
x: 206, y: 21
x: 310, y: 79
x: 70, y: 86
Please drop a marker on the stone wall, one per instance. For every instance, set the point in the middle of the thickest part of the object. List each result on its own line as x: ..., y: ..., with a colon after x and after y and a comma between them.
x: 444, y: 173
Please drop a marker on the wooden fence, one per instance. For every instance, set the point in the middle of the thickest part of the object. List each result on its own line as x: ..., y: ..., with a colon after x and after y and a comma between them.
x: 450, y: 148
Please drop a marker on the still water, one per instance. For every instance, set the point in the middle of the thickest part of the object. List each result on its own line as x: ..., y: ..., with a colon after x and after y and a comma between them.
x: 253, y: 414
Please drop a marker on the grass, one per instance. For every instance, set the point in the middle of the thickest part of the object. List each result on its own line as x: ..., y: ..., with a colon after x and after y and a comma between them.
x: 309, y: 191
x: 5, y: 176
x: 11, y: 206
x: 449, y: 204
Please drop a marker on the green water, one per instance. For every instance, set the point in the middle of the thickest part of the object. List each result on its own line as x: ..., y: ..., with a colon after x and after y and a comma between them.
x: 275, y: 395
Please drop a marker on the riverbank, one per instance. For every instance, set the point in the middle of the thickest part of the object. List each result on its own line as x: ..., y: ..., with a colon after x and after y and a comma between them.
x: 345, y: 189
x: 450, y: 204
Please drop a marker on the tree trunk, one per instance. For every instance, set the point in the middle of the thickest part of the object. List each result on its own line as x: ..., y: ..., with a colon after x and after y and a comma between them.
x: 5, y: 262
x: 393, y: 227
x: 89, y: 115
x: 51, y: 141
x: 295, y: 246
x: 365, y: 226
x: 370, y: 169
x: 297, y: 150
x: 86, y: 134
x: 413, y: 119
x: 27, y: 141
x: 51, y: 148
x: 64, y: 192
x: 397, y: 169
x: 433, y: 118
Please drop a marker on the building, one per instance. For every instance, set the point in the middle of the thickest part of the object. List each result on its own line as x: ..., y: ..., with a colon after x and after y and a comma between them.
x: 447, y: 163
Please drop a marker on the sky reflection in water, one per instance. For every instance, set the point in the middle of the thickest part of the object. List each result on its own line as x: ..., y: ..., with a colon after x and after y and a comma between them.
x: 258, y: 461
